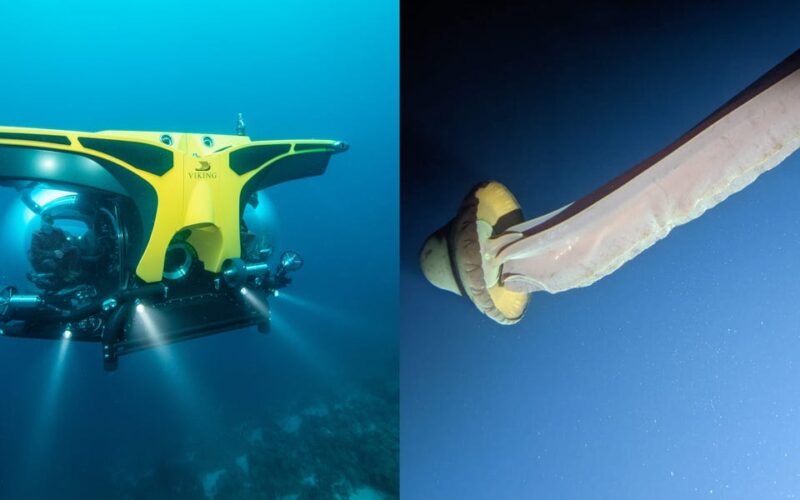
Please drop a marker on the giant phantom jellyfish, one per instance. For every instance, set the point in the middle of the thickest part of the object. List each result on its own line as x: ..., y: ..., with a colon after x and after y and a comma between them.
x: 491, y: 255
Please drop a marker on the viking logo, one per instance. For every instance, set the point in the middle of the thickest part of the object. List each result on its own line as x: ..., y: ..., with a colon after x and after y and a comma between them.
x: 202, y: 171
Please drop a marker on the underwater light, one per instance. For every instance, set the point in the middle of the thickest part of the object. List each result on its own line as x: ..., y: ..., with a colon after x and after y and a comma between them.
x: 46, y: 421
x: 257, y: 304
x: 67, y: 334
x: 149, y: 324
x: 243, y: 291
x: 276, y: 293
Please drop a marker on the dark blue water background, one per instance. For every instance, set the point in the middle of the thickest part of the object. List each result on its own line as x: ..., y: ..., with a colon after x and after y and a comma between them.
x: 677, y: 376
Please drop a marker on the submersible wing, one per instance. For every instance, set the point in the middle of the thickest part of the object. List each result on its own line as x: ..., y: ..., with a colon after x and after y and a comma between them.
x: 491, y: 255
x: 152, y: 222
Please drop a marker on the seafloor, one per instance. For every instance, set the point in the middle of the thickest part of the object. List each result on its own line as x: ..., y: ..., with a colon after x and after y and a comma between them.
x: 340, y: 448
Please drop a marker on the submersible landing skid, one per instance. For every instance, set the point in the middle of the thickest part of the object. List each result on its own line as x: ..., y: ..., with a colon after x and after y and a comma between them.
x: 145, y: 242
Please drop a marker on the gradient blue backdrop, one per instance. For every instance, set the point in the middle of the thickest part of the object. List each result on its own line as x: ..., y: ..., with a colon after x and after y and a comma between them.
x: 677, y: 376
x: 315, y: 69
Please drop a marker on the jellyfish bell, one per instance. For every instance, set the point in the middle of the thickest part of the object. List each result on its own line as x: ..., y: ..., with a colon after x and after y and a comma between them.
x: 455, y: 257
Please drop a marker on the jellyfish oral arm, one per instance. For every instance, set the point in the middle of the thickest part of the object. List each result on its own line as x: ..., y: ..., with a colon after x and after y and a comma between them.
x: 591, y: 238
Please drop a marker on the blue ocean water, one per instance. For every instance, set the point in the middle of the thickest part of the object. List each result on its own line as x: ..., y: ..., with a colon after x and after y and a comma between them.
x: 675, y: 377
x: 308, y: 411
